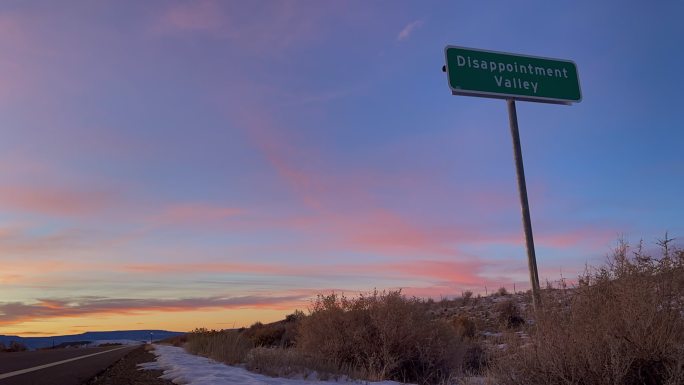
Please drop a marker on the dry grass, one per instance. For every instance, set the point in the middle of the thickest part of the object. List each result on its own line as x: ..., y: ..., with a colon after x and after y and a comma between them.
x: 293, y: 363
x: 228, y: 346
x: 176, y: 340
x: 622, y: 325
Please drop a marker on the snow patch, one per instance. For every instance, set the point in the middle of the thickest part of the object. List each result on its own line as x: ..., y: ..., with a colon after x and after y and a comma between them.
x: 181, y: 367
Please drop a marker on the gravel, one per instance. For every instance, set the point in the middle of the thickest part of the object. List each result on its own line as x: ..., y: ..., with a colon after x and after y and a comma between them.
x: 126, y: 372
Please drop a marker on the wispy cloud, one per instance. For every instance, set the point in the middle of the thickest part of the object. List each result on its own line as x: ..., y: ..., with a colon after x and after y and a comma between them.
x: 17, y: 312
x: 262, y: 28
x: 195, y: 213
x: 29, y: 241
x: 204, y: 15
x: 409, y: 29
x: 53, y: 201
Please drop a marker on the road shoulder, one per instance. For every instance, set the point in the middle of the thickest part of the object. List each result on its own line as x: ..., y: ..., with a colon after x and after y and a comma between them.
x: 125, y: 371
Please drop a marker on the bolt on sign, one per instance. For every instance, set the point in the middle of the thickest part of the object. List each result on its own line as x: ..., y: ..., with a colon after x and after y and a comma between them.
x: 475, y: 72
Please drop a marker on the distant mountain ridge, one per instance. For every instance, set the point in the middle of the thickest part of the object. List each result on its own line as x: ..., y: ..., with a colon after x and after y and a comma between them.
x: 44, y: 342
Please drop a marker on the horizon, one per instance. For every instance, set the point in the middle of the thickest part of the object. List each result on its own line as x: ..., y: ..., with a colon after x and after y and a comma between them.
x: 92, y: 331
x: 178, y: 165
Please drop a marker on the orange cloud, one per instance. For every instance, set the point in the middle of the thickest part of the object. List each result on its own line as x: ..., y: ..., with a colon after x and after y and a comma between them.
x: 45, y: 309
x: 10, y: 278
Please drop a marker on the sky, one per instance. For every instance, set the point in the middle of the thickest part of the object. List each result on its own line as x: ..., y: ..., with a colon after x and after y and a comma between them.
x: 183, y: 164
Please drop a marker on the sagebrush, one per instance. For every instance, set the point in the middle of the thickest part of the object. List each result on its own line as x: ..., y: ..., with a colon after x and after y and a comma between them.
x: 622, y: 325
x: 385, y: 335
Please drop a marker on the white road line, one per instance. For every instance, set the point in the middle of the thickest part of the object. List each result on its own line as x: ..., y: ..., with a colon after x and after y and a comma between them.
x: 22, y: 371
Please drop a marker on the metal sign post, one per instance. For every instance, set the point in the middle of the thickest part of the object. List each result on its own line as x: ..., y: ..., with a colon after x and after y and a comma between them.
x: 524, y: 205
x: 491, y: 74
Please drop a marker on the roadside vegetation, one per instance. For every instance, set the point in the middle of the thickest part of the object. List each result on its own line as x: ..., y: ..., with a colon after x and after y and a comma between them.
x: 621, y: 323
x: 12, y: 347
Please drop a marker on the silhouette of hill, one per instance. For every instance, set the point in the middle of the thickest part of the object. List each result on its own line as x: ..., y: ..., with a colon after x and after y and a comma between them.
x: 44, y: 342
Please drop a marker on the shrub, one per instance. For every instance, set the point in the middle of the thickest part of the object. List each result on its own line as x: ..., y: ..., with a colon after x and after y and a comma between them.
x: 475, y: 359
x: 385, y: 335
x: 297, y: 316
x: 465, y: 327
x: 509, y: 314
x: 15, y: 346
x: 467, y: 295
x: 227, y: 346
x: 278, y: 334
x: 262, y: 335
x: 502, y: 292
x: 622, y: 325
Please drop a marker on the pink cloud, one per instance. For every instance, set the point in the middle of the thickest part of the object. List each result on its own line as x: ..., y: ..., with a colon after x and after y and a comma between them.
x: 194, y: 213
x: 205, y: 267
x: 384, y: 231
x: 262, y: 28
x: 53, y: 201
x: 15, y: 43
x: 366, y: 227
x: 19, y: 241
x: 203, y: 15
x: 463, y: 273
x: 595, y: 237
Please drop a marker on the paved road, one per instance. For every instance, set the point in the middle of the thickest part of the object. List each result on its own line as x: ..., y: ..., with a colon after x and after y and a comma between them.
x: 45, y: 367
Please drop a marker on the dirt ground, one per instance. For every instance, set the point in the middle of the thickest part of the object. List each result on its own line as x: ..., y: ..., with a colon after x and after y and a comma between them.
x: 126, y: 372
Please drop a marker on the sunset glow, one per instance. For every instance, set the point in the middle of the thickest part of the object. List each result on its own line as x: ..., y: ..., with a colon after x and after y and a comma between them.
x: 183, y: 164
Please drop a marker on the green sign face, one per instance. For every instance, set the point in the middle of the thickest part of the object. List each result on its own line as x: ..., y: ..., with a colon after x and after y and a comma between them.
x: 492, y: 74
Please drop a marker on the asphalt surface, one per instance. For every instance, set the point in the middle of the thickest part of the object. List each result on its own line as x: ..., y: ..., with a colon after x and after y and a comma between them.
x: 74, y: 372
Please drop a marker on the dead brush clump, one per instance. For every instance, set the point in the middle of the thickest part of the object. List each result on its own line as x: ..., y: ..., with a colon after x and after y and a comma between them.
x: 280, y: 334
x: 227, y: 346
x: 265, y: 335
x: 293, y: 363
x: 622, y: 325
x: 383, y: 335
x: 465, y: 327
x: 509, y: 315
x: 176, y: 340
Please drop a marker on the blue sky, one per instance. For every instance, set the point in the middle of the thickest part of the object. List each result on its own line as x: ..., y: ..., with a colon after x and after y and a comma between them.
x: 181, y: 164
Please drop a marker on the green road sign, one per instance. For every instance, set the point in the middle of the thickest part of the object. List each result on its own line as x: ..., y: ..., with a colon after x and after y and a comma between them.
x: 475, y: 72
